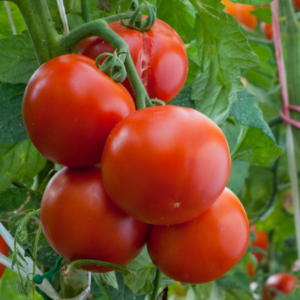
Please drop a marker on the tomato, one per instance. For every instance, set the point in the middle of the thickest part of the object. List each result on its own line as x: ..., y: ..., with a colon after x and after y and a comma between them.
x: 4, y: 251
x: 204, y: 248
x: 165, y: 165
x: 81, y: 222
x: 297, y: 3
x: 281, y: 282
x: 69, y: 109
x: 250, y: 269
x: 268, y: 30
x: 262, y: 241
x: 242, y: 13
x: 159, y: 56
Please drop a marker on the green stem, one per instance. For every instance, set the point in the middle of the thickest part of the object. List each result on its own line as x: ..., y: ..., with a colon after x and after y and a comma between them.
x: 89, y: 262
x: 105, y: 291
x: 35, y: 255
x: 275, y: 121
x: 119, y: 17
x: 196, y: 292
x: 156, y: 285
x: 196, y: 5
x: 40, y: 26
x: 85, y: 11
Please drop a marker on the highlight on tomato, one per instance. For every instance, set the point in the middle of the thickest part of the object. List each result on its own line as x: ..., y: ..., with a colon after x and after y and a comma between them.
x: 201, y: 250
x: 242, y: 13
x: 166, y: 165
x: 69, y: 109
x: 158, y: 54
x: 4, y: 251
x: 280, y: 283
x: 80, y: 221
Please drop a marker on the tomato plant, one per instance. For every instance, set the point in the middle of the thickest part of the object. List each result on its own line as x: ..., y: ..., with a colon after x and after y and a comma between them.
x: 69, y: 109
x: 4, y: 251
x: 280, y: 283
x: 202, y: 250
x: 242, y: 13
x: 159, y: 56
x: 91, y: 229
x: 183, y: 174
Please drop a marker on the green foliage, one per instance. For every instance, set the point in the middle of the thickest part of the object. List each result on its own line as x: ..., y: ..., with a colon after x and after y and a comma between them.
x: 264, y: 14
x: 252, y: 2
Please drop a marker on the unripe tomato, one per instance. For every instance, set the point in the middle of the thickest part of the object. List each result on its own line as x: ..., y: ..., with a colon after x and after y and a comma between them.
x: 166, y: 165
x: 81, y: 222
x: 281, y: 282
x: 204, y: 248
x: 4, y: 251
x: 242, y: 13
x: 158, y: 54
x: 69, y: 109
x: 268, y: 30
x: 262, y: 242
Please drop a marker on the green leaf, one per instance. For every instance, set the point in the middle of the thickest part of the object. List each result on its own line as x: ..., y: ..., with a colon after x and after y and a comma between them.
x: 184, y: 98
x: 17, y: 59
x: 256, y: 143
x: 256, y: 250
x: 234, y: 280
x: 252, y: 2
x: 124, y: 292
x: 5, y: 27
x: 104, y: 5
x: 216, y: 4
x: 181, y: 10
x: 12, y: 129
x: 141, y: 283
x: 107, y: 278
x: 264, y: 14
x: 222, y: 51
x: 239, y: 173
x: 19, y: 162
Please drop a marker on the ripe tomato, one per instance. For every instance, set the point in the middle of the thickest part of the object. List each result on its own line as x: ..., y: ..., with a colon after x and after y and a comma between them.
x: 165, y: 165
x: 159, y: 56
x: 281, y: 282
x: 268, y: 30
x: 250, y: 269
x: 297, y: 3
x: 81, y: 222
x: 69, y: 109
x: 4, y: 251
x: 204, y: 248
x: 242, y: 13
x: 262, y: 241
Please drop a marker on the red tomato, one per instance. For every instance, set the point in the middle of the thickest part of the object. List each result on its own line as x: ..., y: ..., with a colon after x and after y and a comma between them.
x: 81, y: 222
x: 204, y: 248
x: 281, y: 282
x: 69, y: 109
x: 250, y: 268
x: 242, y: 13
x: 165, y: 165
x: 4, y: 251
x: 297, y: 3
x: 268, y: 30
x: 262, y: 241
x: 159, y: 56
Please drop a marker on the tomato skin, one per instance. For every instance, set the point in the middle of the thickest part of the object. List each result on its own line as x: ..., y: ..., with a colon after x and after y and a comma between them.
x: 204, y: 248
x: 165, y: 165
x: 283, y: 282
x: 158, y: 54
x: 262, y: 241
x: 81, y: 222
x: 4, y: 251
x: 297, y: 3
x: 268, y: 30
x: 242, y: 13
x: 69, y: 109
x: 250, y: 269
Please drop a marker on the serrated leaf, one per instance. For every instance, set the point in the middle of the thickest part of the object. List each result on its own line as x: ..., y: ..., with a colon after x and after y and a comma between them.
x: 107, y: 278
x: 12, y: 129
x: 264, y: 14
x: 19, y: 162
x: 256, y: 143
x: 181, y: 10
x: 252, y: 2
x: 184, y: 98
x: 124, y: 292
x: 239, y: 173
x: 222, y: 51
x: 17, y: 59
x: 142, y: 282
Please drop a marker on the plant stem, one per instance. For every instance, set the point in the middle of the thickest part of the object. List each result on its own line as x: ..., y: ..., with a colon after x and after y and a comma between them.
x: 118, y: 17
x: 35, y: 255
x: 85, y: 11
x: 40, y: 26
x: 156, y: 285
x: 11, y: 21
x: 89, y: 262
x: 196, y: 292
x: 105, y: 291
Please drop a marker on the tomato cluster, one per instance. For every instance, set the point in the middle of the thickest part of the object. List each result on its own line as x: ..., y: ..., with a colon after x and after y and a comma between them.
x: 163, y: 174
